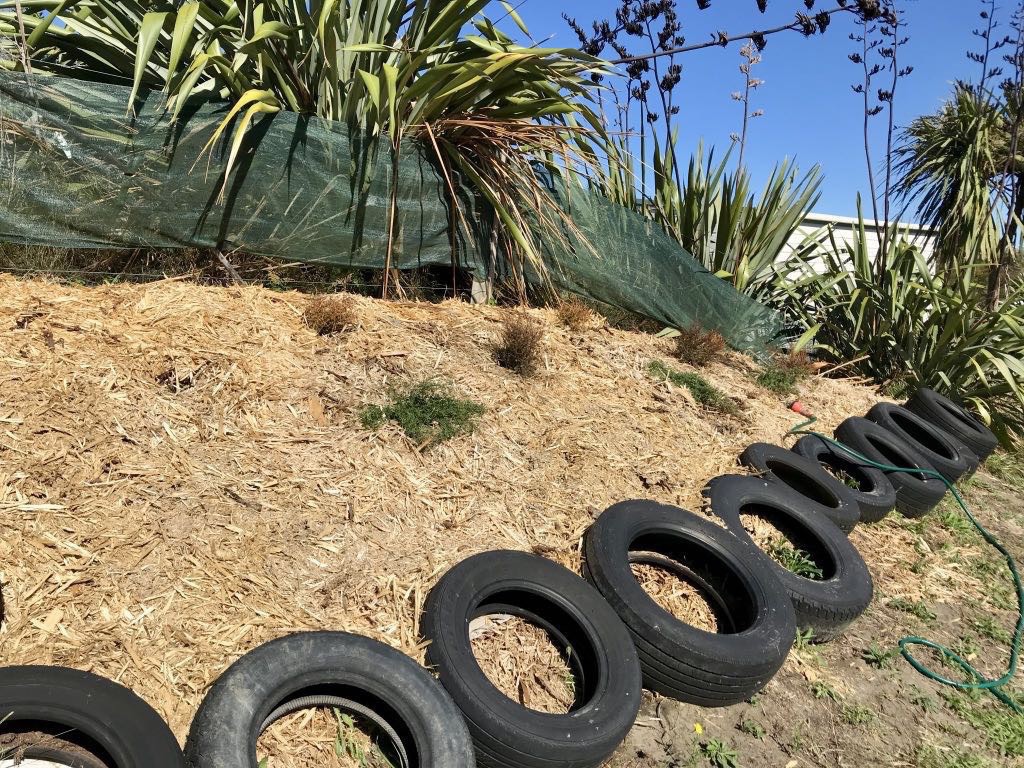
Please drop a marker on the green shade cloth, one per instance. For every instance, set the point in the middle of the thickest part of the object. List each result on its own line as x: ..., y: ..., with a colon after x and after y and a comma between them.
x: 79, y: 172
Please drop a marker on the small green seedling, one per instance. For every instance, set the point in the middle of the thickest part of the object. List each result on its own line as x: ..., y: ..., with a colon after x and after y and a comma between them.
x: 878, y: 658
x: 752, y: 728
x: 719, y: 755
x: 822, y: 690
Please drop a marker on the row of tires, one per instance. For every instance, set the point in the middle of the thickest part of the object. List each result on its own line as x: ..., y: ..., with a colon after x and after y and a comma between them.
x: 617, y: 638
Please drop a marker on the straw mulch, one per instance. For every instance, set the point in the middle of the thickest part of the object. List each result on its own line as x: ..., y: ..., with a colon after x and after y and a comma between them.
x: 184, y: 476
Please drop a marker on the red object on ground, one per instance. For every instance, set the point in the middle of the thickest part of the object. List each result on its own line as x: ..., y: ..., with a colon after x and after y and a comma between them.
x: 799, y: 407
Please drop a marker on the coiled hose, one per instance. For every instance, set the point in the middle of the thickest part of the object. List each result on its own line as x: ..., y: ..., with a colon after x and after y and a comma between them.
x: 979, y: 682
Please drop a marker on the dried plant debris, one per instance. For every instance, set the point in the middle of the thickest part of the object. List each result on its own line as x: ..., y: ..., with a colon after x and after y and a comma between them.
x: 154, y: 535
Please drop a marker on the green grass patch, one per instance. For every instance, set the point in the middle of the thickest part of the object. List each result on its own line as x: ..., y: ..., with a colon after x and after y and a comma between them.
x: 1003, y: 728
x: 428, y: 412
x: 953, y: 519
x: 804, y: 639
x: 703, y: 391
x: 934, y: 757
x: 822, y: 690
x: 856, y: 715
x: 919, y: 609
x: 1006, y: 466
x: 989, y: 627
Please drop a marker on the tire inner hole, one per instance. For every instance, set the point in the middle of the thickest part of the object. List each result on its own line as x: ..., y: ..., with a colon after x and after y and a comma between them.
x: 534, y: 652
x: 790, y: 544
x: 847, y: 471
x: 32, y: 744
x: 895, y: 457
x: 334, y: 726
x: 693, y: 583
x: 803, y: 483
x: 921, y: 435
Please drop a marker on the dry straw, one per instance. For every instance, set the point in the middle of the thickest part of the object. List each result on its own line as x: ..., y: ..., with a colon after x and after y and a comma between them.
x: 183, y: 473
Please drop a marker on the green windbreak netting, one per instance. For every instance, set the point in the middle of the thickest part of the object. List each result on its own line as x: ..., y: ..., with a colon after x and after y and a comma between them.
x: 78, y: 172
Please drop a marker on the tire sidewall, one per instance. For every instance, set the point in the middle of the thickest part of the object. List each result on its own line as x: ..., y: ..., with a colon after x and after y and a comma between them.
x: 952, y: 467
x: 124, y: 725
x: 848, y: 589
x: 584, y: 736
x: 228, y: 723
x: 608, y: 542
x: 846, y: 512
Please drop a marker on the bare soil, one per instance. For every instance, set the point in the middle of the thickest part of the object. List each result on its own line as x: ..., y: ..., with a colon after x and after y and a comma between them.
x: 184, y: 476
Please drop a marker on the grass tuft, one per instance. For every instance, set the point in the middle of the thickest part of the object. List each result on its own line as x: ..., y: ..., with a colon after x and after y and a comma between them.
x: 989, y: 627
x: 919, y: 609
x: 575, y: 315
x: 703, y: 391
x: 794, y: 560
x: 783, y: 372
x: 822, y: 690
x: 521, y: 346
x: 934, y: 757
x: 857, y: 715
x: 698, y: 347
x: 804, y: 639
x: 1003, y: 728
x: 428, y: 412
x: 328, y: 315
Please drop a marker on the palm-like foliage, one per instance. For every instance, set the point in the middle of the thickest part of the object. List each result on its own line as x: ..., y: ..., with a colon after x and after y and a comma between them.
x: 885, y: 315
x: 735, y: 233
x: 397, y: 69
x: 954, y: 166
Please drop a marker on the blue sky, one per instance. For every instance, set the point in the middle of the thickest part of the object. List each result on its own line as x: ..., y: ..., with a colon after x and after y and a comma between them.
x: 810, y: 110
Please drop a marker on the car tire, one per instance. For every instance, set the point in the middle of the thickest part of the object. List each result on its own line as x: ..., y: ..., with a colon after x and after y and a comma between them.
x: 874, y: 494
x: 916, y: 494
x: 950, y: 459
x: 807, y: 478
x: 827, y: 605
x: 80, y: 720
x: 679, y: 660
x: 956, y: 420
x: 320, y: 669
x: 601, y: 653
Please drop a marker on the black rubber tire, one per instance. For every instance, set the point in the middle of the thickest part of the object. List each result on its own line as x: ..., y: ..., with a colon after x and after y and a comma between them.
x: 92, y: 715
x: 916, y: 495
x: 604, y: 661
x: 679, y: 660
x: 827, y: 606
x: 942, y: 452
x: 875, y: 497
x: 384, y: 680
x: 807, y: 478
x: 963, y: 425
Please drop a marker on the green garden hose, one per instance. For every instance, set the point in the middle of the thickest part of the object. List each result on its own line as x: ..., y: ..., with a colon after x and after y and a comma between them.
x: 978, y: 681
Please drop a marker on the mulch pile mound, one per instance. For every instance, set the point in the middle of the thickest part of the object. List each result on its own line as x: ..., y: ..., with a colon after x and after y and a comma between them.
x: 184, y: 475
